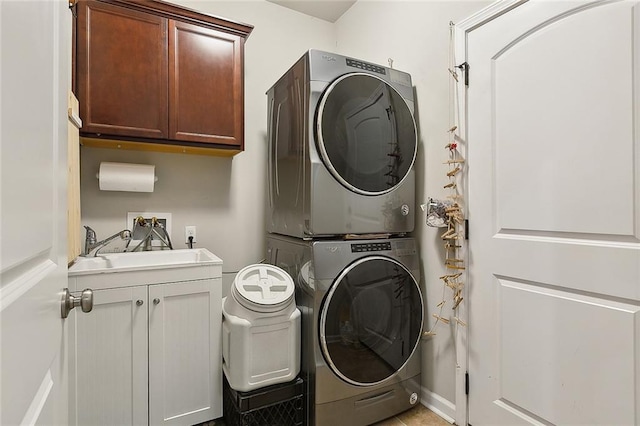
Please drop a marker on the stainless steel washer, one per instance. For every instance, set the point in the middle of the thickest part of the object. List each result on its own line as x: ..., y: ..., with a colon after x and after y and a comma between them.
x: 362, y: 316
x: 342, y: 145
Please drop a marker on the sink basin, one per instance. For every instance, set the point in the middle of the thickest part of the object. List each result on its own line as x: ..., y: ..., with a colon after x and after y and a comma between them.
x: 161, y: 259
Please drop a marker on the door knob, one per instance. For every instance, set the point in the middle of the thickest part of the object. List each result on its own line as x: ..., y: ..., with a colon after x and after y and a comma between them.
x: 69, y: 301
x: 156, y: 301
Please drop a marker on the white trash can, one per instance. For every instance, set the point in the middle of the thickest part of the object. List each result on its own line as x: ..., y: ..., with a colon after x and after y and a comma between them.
x: 260, y: 329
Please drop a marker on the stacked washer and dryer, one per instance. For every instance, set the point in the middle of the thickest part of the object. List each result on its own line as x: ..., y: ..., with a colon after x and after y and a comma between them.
x: 342, y: 146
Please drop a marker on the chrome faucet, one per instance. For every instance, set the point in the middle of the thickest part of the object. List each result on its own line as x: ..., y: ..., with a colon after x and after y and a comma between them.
x: 91, y: 247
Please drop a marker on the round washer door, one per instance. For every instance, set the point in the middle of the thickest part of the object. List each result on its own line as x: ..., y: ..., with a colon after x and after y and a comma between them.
x: 366, y: 134
x: 371, y: 320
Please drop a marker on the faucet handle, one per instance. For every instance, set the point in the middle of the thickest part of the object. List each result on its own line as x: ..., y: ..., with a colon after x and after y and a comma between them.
x: 89, y: 239
x: 90, y: 235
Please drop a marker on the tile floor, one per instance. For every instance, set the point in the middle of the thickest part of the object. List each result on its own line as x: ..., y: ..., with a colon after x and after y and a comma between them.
x: 417, y: 416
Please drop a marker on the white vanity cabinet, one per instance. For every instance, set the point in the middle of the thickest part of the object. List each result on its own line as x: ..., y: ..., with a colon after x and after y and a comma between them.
x: 149, y: 352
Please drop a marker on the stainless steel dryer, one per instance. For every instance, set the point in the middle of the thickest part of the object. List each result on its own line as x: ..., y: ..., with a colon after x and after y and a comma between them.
x: 342, y: 145
x: 362, y: 315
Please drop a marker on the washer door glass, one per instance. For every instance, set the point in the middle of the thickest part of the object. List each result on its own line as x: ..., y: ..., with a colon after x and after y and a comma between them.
x: 366, y: 134
x: 371, y: 320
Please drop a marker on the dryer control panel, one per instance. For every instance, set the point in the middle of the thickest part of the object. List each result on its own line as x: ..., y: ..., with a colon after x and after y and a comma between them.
x: 366, y: 247
x: 365, y: 66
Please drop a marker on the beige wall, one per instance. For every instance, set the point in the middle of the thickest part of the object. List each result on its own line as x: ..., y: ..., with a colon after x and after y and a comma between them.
x: 225, y: 198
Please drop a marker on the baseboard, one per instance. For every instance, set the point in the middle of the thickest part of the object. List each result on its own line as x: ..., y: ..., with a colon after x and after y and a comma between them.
x: 439, y: 405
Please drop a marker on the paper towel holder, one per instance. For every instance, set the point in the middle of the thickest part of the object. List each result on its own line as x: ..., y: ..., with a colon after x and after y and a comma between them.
x: 137, y: 177
x: 155, y: 177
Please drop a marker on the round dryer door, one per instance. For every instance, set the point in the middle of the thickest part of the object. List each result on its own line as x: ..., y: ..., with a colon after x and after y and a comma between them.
x: 371, y: 320
x: 366, y: 134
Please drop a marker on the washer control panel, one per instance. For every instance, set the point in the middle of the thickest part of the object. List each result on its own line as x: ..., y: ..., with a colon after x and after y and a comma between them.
x: 365, y: 66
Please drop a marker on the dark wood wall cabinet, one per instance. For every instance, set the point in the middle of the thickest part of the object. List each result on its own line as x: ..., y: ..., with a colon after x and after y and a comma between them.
x: 151, y: 75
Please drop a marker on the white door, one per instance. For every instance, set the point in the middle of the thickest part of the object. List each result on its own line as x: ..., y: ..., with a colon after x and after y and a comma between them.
x: 35, y: 60
x: 554, y: 208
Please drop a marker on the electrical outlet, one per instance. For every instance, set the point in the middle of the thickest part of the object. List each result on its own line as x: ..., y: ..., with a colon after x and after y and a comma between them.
x: 189, y: 231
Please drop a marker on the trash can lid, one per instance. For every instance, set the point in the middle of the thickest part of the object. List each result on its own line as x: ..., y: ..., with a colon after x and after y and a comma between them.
x: 263, y: 288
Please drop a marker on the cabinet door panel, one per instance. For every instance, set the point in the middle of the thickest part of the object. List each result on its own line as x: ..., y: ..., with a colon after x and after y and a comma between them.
x: 205, y: 84
x: 185, y: 359
x: 111, y: 359
x: 122, y: 65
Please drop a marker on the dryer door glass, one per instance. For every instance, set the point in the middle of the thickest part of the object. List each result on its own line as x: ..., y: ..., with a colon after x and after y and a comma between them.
x: 366, y: 134
x: 371, y: 320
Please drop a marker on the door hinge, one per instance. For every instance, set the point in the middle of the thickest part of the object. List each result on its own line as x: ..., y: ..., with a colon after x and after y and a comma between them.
x: 466, y: 383
x: 466, y: 229
x: 73, y: 7
x: 465, y: 68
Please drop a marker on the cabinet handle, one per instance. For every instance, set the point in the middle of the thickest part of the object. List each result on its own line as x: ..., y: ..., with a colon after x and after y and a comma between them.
x: 156, y: 301
x: 139, y: 302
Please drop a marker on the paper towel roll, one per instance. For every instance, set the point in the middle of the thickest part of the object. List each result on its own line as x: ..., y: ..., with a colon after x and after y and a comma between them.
x: 127, y: 177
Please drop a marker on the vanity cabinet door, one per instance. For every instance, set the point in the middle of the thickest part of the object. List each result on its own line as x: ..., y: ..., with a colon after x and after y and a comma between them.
x: 185, y: 357
x: 205, y: 85
x: 111, y: 359
x: 122, y: 66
